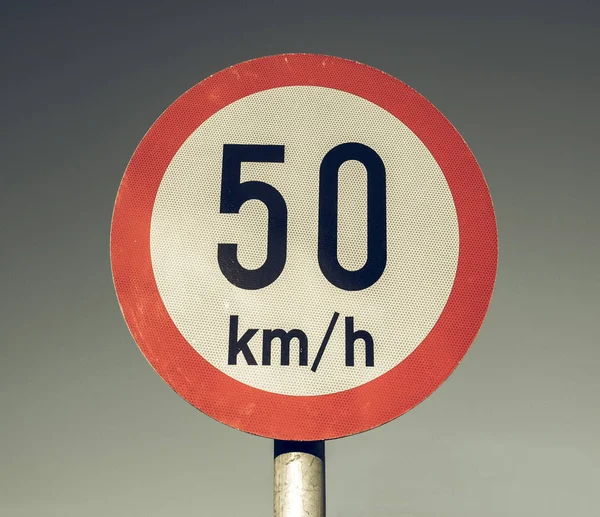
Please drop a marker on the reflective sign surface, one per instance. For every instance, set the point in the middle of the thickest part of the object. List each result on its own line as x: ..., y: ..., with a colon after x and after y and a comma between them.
x: 303, y: 247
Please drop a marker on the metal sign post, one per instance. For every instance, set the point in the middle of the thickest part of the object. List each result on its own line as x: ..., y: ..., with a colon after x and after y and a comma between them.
x: 299, y: 479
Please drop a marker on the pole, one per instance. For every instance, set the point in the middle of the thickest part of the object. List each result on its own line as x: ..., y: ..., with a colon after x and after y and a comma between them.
x: 299, y: 480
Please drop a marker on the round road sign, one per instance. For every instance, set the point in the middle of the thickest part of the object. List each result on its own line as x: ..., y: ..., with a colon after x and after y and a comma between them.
x: 303, y: 247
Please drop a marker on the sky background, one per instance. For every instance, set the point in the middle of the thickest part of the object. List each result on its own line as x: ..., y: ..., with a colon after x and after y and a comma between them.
x: 87, y: 428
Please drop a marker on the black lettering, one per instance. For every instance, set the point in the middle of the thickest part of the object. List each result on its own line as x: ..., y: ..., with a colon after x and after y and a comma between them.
x: 285, y: 338
x: 236, y: 346
x: 351, y: 337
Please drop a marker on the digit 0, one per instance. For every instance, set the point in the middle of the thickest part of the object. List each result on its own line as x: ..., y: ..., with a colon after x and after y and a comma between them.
x: 328, y: 217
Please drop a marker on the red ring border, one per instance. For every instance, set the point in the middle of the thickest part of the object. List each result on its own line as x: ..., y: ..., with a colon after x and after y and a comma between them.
x: 302, y: 417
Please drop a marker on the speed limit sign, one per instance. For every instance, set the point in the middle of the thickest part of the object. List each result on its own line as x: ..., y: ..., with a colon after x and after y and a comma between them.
x: 303, y: 247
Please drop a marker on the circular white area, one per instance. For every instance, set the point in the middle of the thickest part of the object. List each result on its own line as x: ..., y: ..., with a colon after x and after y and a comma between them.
x: 398, y: 311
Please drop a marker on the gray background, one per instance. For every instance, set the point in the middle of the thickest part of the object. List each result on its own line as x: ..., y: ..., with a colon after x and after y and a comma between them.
x: 86, y: 426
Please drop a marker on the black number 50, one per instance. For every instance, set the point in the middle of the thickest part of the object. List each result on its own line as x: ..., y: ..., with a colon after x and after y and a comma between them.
x: 234, y: 194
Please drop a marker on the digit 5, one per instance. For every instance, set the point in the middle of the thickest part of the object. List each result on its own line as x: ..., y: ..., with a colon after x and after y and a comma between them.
x: 233, y: 195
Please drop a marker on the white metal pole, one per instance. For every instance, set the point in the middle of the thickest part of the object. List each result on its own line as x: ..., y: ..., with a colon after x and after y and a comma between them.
x: 299, y: 481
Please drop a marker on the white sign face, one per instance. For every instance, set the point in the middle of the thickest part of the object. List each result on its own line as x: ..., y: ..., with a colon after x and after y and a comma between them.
x: 303, y: 247
x: 187, y: 226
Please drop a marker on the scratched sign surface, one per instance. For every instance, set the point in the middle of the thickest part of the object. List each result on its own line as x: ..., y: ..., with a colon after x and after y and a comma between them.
x: 303, y: 247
